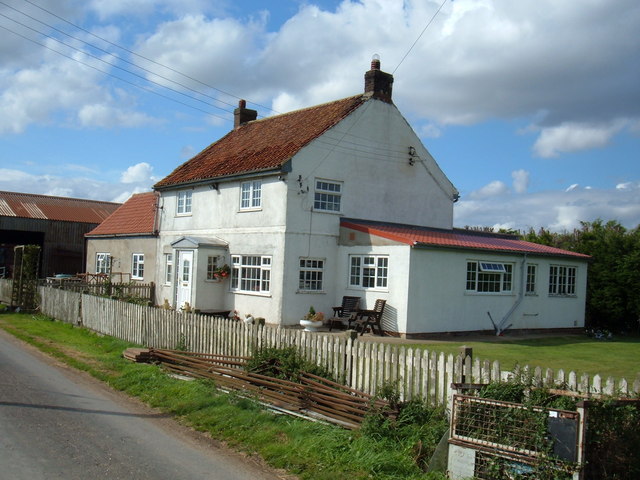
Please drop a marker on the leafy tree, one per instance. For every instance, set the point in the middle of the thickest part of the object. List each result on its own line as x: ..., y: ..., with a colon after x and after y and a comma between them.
x: 613, y: 285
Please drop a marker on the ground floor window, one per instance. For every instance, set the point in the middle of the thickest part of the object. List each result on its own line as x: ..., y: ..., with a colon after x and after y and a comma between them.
x: 251, y: 273
x: 168, y: 268
x: 212, y: 266
x: 489, y: 277
x: 311, y: 274
x: 562, y: 280
x: 531, y: 279
x: 137, y: 266
x: 368, y: 271
x: 103, y: 263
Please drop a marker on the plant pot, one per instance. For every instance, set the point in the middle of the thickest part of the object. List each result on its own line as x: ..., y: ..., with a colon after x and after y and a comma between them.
x: 311, y: 325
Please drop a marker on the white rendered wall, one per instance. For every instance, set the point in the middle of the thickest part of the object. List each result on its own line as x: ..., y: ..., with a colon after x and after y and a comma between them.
x: 121, y: 250
x: 439, y: 302
x: 217, y: 214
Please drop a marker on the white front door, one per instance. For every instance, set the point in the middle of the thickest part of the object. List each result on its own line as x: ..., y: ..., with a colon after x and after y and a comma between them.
x: 184, y: 277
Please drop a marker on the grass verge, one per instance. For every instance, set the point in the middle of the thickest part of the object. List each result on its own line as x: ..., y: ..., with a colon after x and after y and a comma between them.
x: 306, y: 449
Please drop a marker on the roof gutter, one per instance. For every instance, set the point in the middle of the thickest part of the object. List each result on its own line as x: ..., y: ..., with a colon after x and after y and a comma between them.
x: 284, y: 168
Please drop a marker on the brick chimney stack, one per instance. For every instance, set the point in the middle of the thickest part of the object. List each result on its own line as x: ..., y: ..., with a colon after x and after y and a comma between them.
x: 242, y: 114
x: 377, y: 83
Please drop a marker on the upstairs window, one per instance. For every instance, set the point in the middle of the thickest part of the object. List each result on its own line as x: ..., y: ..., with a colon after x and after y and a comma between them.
x: 311, y: 275
x: 562, y: 280
x: 251, y: 273
x: 103, y: 263
x: 368, y: 271
x: 251, y: 195
x: 327, y: 196
x: 489, y: 277
x: 137, y: 266
x: 184, y: 202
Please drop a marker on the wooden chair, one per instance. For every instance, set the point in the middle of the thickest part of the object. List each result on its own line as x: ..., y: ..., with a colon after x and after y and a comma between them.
x: 345, y: 312
x: 371, y: 318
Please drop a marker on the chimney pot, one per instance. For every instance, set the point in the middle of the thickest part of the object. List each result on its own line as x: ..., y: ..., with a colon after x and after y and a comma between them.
x: 242, y: 114
x: 377, y: 83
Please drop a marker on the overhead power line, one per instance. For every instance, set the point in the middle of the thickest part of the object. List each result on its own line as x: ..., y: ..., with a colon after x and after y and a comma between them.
x: 419, y: 36
x: 145, y: 58
x: 111, y: 75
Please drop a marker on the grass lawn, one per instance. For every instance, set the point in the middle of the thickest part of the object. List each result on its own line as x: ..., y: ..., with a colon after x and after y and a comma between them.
x: 619, y: 357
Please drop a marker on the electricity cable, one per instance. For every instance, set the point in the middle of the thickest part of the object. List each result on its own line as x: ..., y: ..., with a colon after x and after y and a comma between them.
x: 145, y: 58
x: 419, y: 36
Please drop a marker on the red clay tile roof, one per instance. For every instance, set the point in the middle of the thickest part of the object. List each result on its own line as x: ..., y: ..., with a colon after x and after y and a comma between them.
x: 135, y: 217
x: 262, y: 145
x: 456, y: 238
x: 45, y: 207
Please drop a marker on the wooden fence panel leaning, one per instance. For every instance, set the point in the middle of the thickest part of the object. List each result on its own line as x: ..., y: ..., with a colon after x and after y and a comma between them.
x: 364, y: 366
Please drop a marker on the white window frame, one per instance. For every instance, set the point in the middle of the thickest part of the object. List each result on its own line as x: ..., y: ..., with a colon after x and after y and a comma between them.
x: 531, y: 279
x: 251, y: 195
x: 212, y: 266
x: 327, y: 196
x: 311, y: 275
x: 137, y: 266
x: 168, y: 268
x: 184, y: 202
x: 369, y: 272
x: 103, y: 262
x: 489, y: 278
x: 562, y: 280
x: 251, y: 274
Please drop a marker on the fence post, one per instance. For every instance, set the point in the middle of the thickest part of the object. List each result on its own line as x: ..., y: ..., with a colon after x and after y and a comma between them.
x: 466, y: 352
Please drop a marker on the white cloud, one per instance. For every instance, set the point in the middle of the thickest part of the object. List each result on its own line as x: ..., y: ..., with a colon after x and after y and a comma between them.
x: 571, y: 187
x: 78, y: 187
x: 102, y: 115
x: 554, y: 210
x: 140, y: 172
x: 492, y: 189
x: 572, y: 137
x: 520, y: 180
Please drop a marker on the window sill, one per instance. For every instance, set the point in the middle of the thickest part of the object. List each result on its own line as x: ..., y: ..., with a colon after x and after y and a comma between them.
x: 253, y: 294
x: 311, y: 292
x: 136, y: 278
x: 184, y: 214
x: 490, y: 294
x: 331, y: 212
x: 364, y: 289
x: 252, y: 209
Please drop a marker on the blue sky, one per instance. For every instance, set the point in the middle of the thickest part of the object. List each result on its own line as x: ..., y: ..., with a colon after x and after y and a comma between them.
x: 531, y: 108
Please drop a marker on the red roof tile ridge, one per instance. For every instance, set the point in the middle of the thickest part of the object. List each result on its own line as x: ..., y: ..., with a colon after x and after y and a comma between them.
x: 260, y: 145
x: 306, y: 109
x: 137, y: 216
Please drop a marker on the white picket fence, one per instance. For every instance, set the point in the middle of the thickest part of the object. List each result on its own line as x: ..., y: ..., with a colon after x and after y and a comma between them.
x: 361, y: 365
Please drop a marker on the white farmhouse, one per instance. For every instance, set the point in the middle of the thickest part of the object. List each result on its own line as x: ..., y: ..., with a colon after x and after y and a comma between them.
x: 342, y: 199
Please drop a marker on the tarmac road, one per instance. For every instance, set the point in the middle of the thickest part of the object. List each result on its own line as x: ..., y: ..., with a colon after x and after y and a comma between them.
x: 57, y: 423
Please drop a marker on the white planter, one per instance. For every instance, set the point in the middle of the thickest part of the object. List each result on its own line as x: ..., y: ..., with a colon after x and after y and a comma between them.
x: 311, y: 325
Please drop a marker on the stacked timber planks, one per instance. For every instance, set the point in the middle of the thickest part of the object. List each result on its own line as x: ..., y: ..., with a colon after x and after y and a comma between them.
x: 138, y: 355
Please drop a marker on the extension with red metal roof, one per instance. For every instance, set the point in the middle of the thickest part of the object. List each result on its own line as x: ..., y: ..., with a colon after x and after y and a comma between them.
x: 261, y: 145
x: 45, y: 207
x: 457, y: 238
x: 137, y: 216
